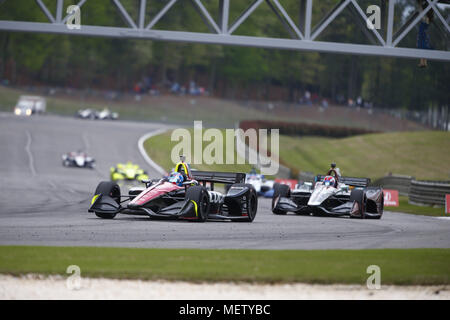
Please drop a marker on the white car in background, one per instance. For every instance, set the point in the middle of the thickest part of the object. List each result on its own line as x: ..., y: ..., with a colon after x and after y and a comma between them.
x: 106, y: 114
x: 28, y: 105
x: 86, y: 114
x: 78, y: 159
x: 94, y: 114
x: 259, y: 182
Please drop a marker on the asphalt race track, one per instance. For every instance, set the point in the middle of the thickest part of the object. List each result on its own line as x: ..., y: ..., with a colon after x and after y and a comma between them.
x: 44, y: 203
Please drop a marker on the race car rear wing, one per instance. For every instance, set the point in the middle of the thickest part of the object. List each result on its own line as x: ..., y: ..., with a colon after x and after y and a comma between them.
x: 218, y: 177
x: 354, y: 182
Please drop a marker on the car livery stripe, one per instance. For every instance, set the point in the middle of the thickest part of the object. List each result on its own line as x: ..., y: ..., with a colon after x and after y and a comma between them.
x: 94, y: 198
x: 195, y: 206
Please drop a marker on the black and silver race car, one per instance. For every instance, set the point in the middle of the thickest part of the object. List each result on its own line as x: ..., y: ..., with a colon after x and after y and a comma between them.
x: 190, y: 200
x: 344, y: 196
x: 86, y: 114
x: 78, y: 159
x: 104, y: 114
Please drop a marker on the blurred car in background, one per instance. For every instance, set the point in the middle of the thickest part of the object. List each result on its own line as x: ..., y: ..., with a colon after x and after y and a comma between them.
x: 78, y: 159
x: 28, y: 105
x: 128, y: 171
x: 105, y: 114
x: 86, y: 114
x: 260, y: 183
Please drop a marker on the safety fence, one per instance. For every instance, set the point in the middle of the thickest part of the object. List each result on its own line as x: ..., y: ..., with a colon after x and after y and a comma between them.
x: 401, y: 183
x: 429, y: 192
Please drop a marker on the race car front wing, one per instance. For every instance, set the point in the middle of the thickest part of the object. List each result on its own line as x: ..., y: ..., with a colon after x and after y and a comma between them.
x: 288, y: 205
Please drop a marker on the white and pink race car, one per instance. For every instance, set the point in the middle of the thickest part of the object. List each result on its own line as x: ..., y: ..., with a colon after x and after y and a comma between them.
x: 78, y: 159
x: 188, y: 199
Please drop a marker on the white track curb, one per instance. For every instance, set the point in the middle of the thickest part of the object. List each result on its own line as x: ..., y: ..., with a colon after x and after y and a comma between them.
x: 144, y: 154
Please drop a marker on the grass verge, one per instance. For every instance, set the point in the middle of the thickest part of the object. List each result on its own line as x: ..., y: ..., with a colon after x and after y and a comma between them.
x: 398, y: 266
x: 406, y: 207
x: 160, y: 147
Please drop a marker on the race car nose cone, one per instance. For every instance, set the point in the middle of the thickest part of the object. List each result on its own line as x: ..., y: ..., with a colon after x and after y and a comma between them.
x: 132, y: 206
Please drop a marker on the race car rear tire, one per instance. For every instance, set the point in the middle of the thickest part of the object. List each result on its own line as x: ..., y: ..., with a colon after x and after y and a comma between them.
x: 111, y: 189
x: 200, y: 196
x: 279, y: 190
x: 359, y: 196
x: 252, y: 204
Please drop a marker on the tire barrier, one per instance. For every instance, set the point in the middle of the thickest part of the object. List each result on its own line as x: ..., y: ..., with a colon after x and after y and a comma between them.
x: 304, y: 129
x: 395, y: 182
x: 429, y: 192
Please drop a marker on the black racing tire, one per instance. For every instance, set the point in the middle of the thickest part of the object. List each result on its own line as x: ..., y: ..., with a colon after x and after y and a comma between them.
x: 378, y: 216
x: 359, y: 196
x: 382, y: 207
x: 280, y: 190
x: 200, y: 196
x: 251, y: 203
x: 108, y: 188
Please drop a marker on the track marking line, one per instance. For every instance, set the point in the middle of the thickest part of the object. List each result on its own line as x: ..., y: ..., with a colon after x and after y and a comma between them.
x: 144, y: 154
x: 30, y: 155
x: 85, y: 141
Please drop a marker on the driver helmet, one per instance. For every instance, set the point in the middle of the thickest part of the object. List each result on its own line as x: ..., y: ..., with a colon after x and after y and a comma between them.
x: 176, y: 178
x: 329, y: 181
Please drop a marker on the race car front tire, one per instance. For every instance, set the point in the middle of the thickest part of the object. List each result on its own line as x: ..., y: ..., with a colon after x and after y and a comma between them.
x: 111, y: 189
x: 279, y: 190
x: 199, y: 195
x: 251, y: 203
x: 359, y: 196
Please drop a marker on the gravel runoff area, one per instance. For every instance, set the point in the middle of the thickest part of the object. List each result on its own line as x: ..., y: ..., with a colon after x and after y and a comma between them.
x: 57, y: 287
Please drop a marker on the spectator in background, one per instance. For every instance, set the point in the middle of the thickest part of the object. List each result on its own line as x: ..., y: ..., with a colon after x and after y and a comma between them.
x: 137, y: 88
x: 315, y: 98
x: 359, y: 101
x: 308, y: 97
x: 340, y: 99
x: 350, y: 102
x: 193, y: 88
x: 423, y: 39
x: 147, y: 84
x: 175, y: 87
